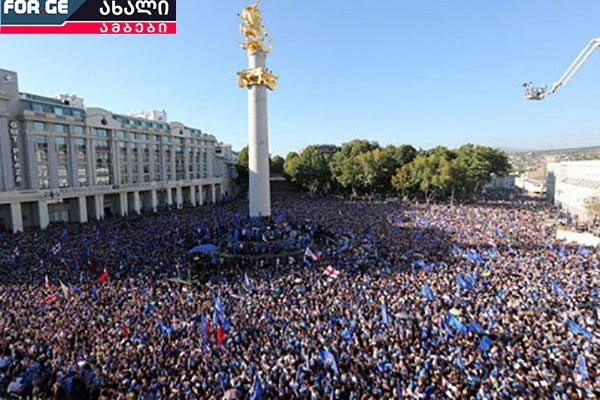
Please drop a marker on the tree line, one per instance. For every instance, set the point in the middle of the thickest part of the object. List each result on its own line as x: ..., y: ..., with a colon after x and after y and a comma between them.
x: 362, y: 167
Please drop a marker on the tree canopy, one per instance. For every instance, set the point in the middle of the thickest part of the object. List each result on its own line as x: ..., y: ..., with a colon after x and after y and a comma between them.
x: 364, y: 167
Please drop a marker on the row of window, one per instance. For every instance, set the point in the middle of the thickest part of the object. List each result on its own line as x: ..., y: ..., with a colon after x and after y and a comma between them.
x: 79, y: 130
x: 136, y: 122
x: 52, y: 109
x: 129, y: 167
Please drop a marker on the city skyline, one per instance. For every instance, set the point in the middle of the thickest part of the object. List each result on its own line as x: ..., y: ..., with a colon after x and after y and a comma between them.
x: 422, y: 73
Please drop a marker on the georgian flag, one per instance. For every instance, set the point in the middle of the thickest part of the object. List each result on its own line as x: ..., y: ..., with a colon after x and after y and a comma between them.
x: 16, y: 252
x: 47, y: 282
x: 331, y: 272
x: 56, y: 248
x: 46, y: 300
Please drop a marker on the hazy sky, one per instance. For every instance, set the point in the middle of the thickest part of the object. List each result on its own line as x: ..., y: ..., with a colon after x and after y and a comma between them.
x: 424, y: 72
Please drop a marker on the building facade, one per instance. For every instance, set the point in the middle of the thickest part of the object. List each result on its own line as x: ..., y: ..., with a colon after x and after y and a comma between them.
x: 61, y: 161
x: 575, y: 187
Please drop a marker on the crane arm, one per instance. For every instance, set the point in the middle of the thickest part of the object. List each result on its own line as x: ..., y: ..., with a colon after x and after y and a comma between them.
x: 532, y: 93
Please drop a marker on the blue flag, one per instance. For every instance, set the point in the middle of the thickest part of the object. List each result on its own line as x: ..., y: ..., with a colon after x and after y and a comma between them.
x: 75, y: 289
x: 485, y: 344
x: 453, y: 321
x: 472, y: 255
x: 459, y: 361
x: 562, y: 252
x: 384, y: 314
x: 203, y: 323
x: 257, y: 389
x: 94, y: 294
x: 575, y: 328
x: 584, y: 251
x: 557, y: 290
x: 582, y: 368
x: 460, y: 281
x: 475, y: 327
x: 329, y: 359
x: 248, y: 283
x: 219, y: 306
x: 427, y: 292
x: 370, y: 238
x: 63, y: 235
x: 511, y: 250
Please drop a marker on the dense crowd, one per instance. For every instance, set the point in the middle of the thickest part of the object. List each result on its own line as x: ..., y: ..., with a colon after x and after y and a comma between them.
x: 431, y: 301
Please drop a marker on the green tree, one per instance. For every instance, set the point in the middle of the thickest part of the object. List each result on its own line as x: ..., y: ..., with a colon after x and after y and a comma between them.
x: 402, y: 154
x: 454, y: 175
x: 426, y: 174
x: 376, y: 170
x: 241, y: 167
x: 345, y: 167
x: 290, y: 166
x: 277, y: 164
x: 313, y: 173
x: 401, y: 181
x: 479, y: 162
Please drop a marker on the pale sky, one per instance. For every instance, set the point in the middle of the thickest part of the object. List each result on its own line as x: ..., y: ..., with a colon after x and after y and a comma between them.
x: 424, y: 72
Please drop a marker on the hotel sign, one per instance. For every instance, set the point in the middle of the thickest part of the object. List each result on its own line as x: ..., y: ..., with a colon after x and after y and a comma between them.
x: 13, y: 131
x: 128, y: 17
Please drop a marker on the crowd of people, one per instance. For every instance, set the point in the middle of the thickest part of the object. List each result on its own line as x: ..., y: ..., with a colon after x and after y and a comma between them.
x: 429, y: 301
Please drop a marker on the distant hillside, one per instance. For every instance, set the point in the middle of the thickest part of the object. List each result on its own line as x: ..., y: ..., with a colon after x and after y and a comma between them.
x: 579, y: 150
x: 535, y: 159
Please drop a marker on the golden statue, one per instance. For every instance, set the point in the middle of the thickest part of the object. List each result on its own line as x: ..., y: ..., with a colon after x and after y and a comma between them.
x: 253, y: 30
x: 255, y: 34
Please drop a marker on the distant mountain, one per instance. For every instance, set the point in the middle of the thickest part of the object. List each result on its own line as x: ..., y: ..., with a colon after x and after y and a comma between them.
x: 580, y: 150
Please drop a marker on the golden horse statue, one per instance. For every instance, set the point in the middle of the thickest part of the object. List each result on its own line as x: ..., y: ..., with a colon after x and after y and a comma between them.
x: 253, y: 30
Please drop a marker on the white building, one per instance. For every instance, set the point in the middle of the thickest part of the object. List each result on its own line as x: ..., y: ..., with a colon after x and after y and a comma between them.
x: 574, y: 186
x: 506, y: 182
x: 60, y: 161
x: 529, y: 185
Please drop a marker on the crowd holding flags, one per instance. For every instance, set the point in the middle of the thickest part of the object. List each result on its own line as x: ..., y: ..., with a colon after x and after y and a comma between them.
x: 355, y: 327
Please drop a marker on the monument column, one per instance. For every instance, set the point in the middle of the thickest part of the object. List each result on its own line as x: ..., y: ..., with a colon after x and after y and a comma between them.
x: 257, y: 79
x: 258, y: 143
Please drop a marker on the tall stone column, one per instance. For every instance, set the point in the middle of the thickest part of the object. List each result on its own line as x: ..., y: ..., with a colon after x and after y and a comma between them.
x: 257, y: 79
x: 193, y: 195
x: 136, y: 202
x: 258, y: 144
x: 16, y: 217
x: 43, y: 218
